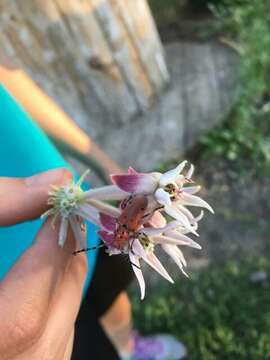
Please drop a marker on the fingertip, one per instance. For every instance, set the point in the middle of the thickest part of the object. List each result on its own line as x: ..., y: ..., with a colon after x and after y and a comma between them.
x: 50, y: 177
x: 27, y: 198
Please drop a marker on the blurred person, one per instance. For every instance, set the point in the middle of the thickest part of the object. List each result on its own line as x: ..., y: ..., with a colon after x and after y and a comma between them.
x: 49, y: 281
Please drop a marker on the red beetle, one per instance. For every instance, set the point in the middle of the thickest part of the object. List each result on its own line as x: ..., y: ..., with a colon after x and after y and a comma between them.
x: 128, y: 223
x: 130, y: 220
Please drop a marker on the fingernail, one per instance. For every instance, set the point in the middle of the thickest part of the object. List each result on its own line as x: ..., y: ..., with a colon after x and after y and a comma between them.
x: 55, y: 176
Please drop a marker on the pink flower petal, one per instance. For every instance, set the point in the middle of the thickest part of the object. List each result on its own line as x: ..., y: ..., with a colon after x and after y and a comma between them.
x: 138, y: 272
x: 132, y: 171
x: 108, y: 222
x: 106, y: 237
x: 157, y: 220
x: 136, y: 183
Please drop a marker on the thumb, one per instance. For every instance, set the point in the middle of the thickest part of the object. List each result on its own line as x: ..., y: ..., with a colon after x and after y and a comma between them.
x: 26, y: 199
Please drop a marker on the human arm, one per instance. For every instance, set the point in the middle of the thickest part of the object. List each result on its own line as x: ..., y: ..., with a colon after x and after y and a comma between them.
x: 51, y: 117
x: 40, y: 296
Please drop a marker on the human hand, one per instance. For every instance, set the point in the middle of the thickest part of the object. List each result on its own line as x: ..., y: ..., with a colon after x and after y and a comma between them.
x: 40, y: 296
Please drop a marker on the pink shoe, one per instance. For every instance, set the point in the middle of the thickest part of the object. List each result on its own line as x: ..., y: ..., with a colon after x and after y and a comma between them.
x: 158, y: 347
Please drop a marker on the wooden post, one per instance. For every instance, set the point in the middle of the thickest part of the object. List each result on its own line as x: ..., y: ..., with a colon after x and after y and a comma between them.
x: 101, y: 60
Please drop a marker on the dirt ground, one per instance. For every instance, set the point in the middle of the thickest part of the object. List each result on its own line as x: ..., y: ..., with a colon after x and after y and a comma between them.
x: 240, y: 226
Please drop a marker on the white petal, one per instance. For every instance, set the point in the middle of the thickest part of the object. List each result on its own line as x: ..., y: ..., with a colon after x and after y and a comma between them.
x: 180, y: 255
x: 172, y: 175
x: 163, y: 197
x: 82, y: 177
x: 80, y: 236
x: 149, y: 231
x: 176, y: 214
x: 89, y: 213
x: 194, y: 225
x: 109, y: 192
x: 173, y: 253
x: 63, y: 231
x: 191, y: 189
x: 172, y: 239
x: 138, y: 272
x: 180, y: 181
x: 186, y: 212
x: 113, y: 251
x: 182, y: 239
x: 199, y: 217
x: 137, y: 248
x: 157, y: 231
x: 105, y: 208
x: 161, y: 239
x: 190, y: 171
x: 193, y: 200
x: 153, y: 261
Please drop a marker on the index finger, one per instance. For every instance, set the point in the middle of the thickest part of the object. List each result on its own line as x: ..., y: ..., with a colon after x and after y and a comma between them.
x: 26, y: 199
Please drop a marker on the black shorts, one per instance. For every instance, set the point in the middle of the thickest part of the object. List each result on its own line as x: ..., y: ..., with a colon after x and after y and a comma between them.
x: 112, y: 275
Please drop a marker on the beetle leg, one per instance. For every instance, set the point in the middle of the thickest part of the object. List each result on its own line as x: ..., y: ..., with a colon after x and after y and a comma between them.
x: 138, y: 267
x: 151, y: 213
x: 159, y: 208
x: 127, y: 258
x: 131, y: 246
x: 87, y: 249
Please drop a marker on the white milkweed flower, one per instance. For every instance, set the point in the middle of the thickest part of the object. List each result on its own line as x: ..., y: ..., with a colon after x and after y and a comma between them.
x: 168, y: 190
x: 140, y: 244
x: 69, y: 204
x: 133, y: 229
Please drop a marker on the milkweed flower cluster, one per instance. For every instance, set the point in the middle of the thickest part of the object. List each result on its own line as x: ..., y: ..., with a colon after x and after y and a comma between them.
x: 153, y: 211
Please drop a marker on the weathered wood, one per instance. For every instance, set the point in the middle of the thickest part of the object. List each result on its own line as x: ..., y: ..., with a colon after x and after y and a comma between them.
x: 141, y: 28
x: 101, y: 60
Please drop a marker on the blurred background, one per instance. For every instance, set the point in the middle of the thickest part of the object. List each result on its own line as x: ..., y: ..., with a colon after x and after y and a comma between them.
x: 153, y: 83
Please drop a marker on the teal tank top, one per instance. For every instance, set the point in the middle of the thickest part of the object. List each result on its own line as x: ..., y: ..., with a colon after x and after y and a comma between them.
x: 24, y: 151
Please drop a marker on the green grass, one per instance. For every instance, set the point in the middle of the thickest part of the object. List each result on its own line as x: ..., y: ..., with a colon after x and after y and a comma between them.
x: 218, y: 314
x: 243, y: 138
